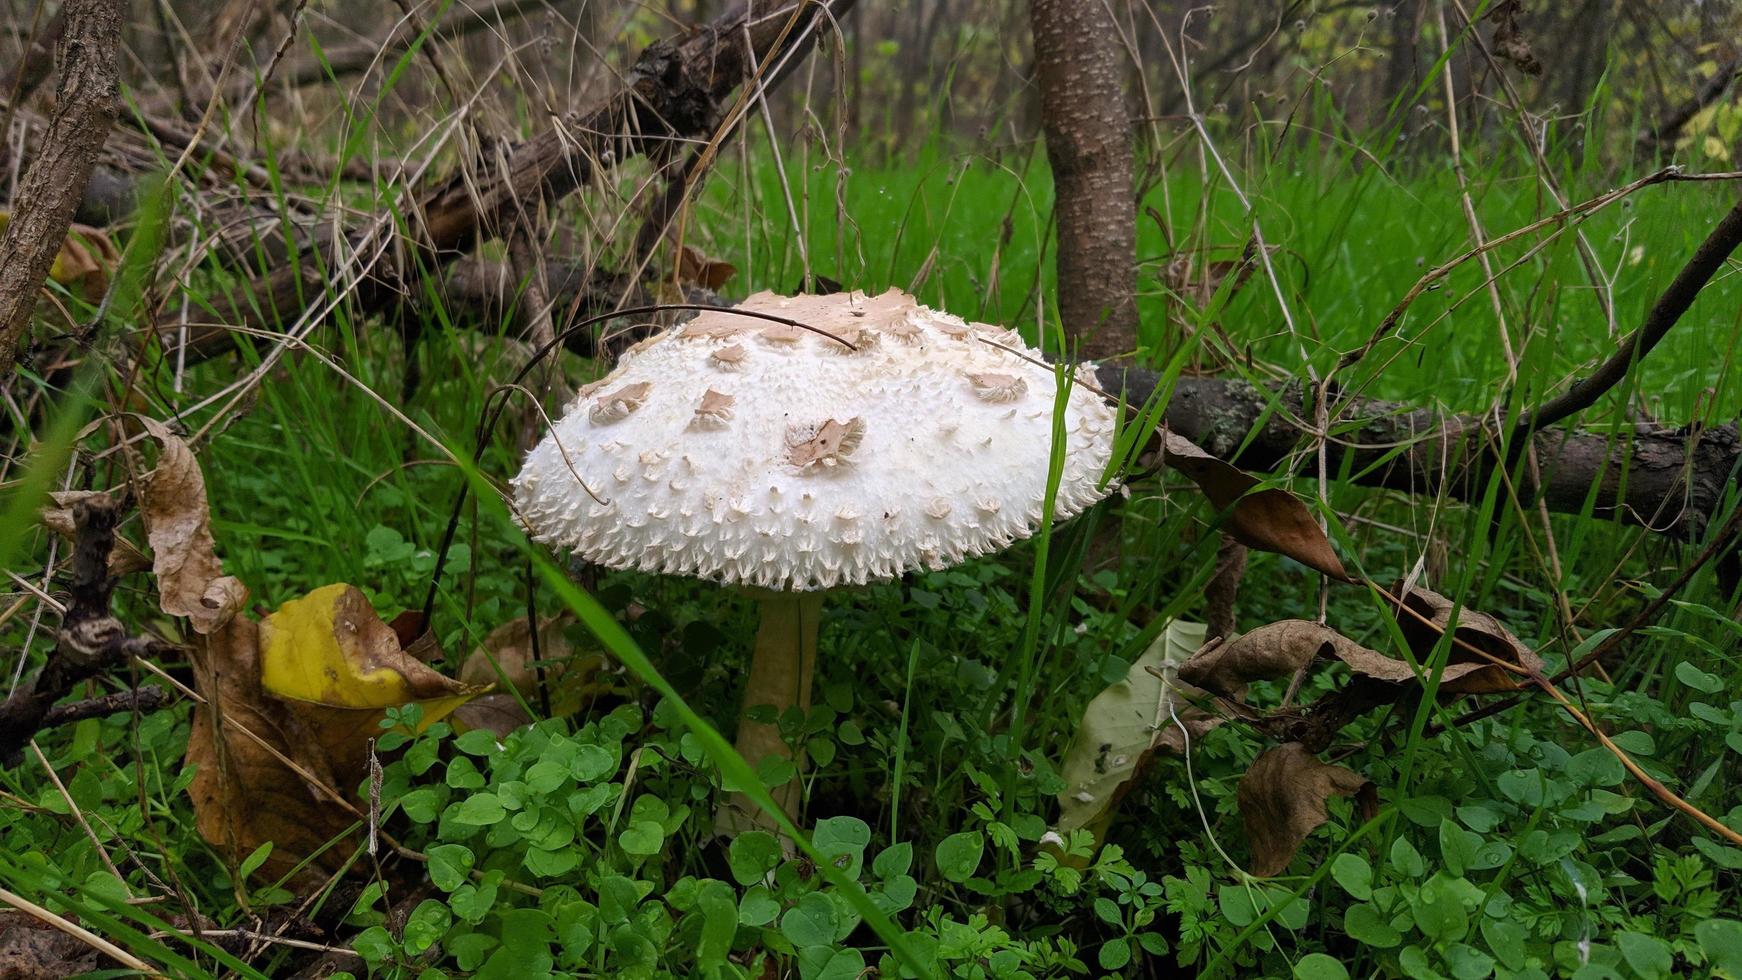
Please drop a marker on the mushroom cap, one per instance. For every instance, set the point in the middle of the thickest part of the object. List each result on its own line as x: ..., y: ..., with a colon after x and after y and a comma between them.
x: 748, y: 452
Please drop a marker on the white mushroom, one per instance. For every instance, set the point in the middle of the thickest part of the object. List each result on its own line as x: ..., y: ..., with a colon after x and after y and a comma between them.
x: 818, y: 470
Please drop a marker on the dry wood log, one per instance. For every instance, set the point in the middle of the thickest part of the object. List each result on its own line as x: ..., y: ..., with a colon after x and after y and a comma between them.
x: 1669, y: 480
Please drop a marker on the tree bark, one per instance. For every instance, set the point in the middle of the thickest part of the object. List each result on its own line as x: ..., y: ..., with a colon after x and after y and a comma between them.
x: 85, y: 107
x: 1078, y: 65
x: 1670, y: 480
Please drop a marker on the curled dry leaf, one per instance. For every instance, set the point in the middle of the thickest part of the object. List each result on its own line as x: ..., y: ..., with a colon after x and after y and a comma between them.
x: 1479, y: 630
x: 244, y: 794
x: 574, y: 677
x: 1455, y: 679
x: 1269, y: 519
x: 1281, y: 648
x: 1509, y: 42
x: 1124, y: 726
x: 280, y: 738
x: 178, y: 525
x: 1266, y: 653
x: 694, y: 266
x: 1282, y: 800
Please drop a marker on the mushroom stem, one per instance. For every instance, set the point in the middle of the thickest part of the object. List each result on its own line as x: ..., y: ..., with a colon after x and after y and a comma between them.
x: 780, y: 675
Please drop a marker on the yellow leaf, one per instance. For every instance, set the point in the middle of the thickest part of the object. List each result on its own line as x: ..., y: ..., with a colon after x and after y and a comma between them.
x: 85, y: 261
x: 1715, y: 148
x: 329, y: 648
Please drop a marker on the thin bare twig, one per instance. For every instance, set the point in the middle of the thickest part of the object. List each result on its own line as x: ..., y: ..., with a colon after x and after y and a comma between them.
x: 1724, y: 238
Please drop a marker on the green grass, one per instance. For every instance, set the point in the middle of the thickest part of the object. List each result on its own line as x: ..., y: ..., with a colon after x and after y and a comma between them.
x: 1352, y: 242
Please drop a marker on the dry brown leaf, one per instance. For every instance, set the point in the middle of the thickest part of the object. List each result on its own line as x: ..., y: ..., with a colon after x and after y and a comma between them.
x: 310, y: 685
x: 1372, y: 663
x: 86, y: 260
x: 575, y: 678
x: 244, y: 795
x: 1269, y: 519
x: 34, y: 950
x: 1197, y: 284
x: 190, y: 579
x: 498, y: 714
x: 1266, y: 653
x: 1281, y: 648
x: 281, y: 737
x: 696, y: 267
x: 1509, y: 42
x: 1479, y: 630
x: 1282, y: 800
x: 506, y: 654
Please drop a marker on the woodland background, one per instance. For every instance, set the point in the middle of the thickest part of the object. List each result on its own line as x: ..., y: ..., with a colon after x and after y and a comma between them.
x: 1424, y: 314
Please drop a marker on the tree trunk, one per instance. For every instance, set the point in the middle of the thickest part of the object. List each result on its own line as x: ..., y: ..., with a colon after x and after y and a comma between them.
x: 85, y: 108
x: 1078, y: 63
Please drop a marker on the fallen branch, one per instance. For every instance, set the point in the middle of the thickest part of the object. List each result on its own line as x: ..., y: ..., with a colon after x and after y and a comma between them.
x: 90, y: 641
x: 143, y: 700
x: 1669, y: 480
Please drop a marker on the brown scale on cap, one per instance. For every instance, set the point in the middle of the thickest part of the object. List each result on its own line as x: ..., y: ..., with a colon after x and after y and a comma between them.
x: 618, y: 404
x: 782, y: 333
x: 1002, y: 336
x: 859, y: 336
x: 715, y: 408
x: 994, y: 387
x: 715, y: 328
x: 729, y: 356
x: 826, y: 445
x: 904, y: 331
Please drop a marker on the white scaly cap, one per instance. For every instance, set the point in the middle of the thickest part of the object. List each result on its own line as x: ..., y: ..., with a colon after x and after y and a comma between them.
x: 750, y: 452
